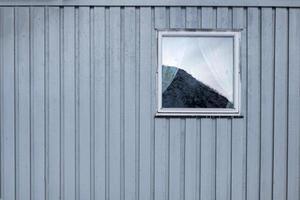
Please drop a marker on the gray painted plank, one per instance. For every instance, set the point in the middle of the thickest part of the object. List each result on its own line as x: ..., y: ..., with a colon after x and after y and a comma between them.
x: 53, y: 103
x: 293, y: 190
x: 114, y: 104
x: 267, y: 92
x: 92, y: 102
x: 84, y: 104
x: 7, y: 103
x: 238, y: 152
x: 175, y: 159
x: 99, y: 101
x: 237, y: 3
x: 122, y: 103
x: 137, y: 100
x: 208, y: 159
x: 160, y: 17
x: 107, y: 80
x: 177, y: 17
x: 130, y: 102
x: 208, y: 18
x: 280, y: 105
x: 223, y: 158
x: 161, y: 159
x: 223, y: 138
x: 76, y: 73
x: 161, y: 132
x: 154, y: 57
x: 253, y: 102
x: 22, y: 82
x: 68, y: 104
x: 238, y: 163
x: 192, y: 17
x: 145, y: 113
x: 192, y: 160
x: 37, y: 51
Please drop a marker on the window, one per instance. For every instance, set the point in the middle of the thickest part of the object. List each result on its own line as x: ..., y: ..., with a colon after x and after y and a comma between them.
x: 198, y: 73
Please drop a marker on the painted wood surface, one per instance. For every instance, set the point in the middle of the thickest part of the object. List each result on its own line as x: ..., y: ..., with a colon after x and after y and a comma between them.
x: 78, y: 88
x: 118, y: 3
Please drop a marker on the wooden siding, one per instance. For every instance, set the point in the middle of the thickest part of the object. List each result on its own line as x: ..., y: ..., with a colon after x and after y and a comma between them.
x: 78, y: 88
x: 118, y: 3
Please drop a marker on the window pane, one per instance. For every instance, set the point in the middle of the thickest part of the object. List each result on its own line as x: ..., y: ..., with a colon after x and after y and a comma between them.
x: 197, y: 72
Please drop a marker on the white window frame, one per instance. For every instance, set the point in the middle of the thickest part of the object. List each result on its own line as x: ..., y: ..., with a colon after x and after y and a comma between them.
x: 236, y: 111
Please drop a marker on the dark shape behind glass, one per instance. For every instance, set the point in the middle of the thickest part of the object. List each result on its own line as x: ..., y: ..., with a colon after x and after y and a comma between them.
x: 182, y: 90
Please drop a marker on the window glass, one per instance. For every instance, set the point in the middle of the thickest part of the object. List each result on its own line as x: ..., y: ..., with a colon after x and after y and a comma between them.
x: 197, y: 72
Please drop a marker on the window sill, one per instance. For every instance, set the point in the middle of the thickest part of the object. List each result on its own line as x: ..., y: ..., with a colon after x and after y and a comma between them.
x: 196, y: 115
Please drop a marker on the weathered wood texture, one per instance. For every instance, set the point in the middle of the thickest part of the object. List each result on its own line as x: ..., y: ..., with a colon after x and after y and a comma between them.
x: 78, y: 104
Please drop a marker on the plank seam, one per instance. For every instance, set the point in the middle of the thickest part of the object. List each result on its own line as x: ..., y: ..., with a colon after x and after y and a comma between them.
x: 61, y: 103
x: 92, y: 100
x: 287, y: 103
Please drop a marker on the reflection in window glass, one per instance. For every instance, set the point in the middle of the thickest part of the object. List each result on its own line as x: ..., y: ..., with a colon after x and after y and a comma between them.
x: 197, y: 72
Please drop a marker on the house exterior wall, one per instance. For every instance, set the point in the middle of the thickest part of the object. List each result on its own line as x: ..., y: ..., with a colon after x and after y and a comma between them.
x: 78, y: 104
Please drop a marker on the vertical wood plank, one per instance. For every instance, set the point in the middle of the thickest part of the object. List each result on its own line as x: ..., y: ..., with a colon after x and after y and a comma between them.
x: 192, y: 159
x: 154, y: 57
x: 22, y: 103
x: 238, y: 152
x: 137, y: 99
x: 130, y: 101
x: 208, y: 159
x: 223, y: 138
x: 253, y: 102
x: 208, y: 132
x: 37, y: 59
x: 192, y: 17
x: 69, y: 103
x: 177, y: 17
x: 293, y: 190
x: 160, y: 17
x: 76, y: 73
x: 175, y: 158
x: 267, y: 92
x: 92, y: 100
x: 107, y: 91
x: 161, y: 159
x: 7, y: 102
x: 114, y: 104
x: 161, y: 132
x: 122, y: 103
x: 223, y: 157
x: 99, y: 87
x: 238, y: 176
x: 84, y: 104
x: 145, y: 103
x: 280, y: 104
x: 53, y: 104
x: 208, y: 17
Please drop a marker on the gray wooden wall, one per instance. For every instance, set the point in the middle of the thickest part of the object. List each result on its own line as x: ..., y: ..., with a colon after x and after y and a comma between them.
x: 78, y: 103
